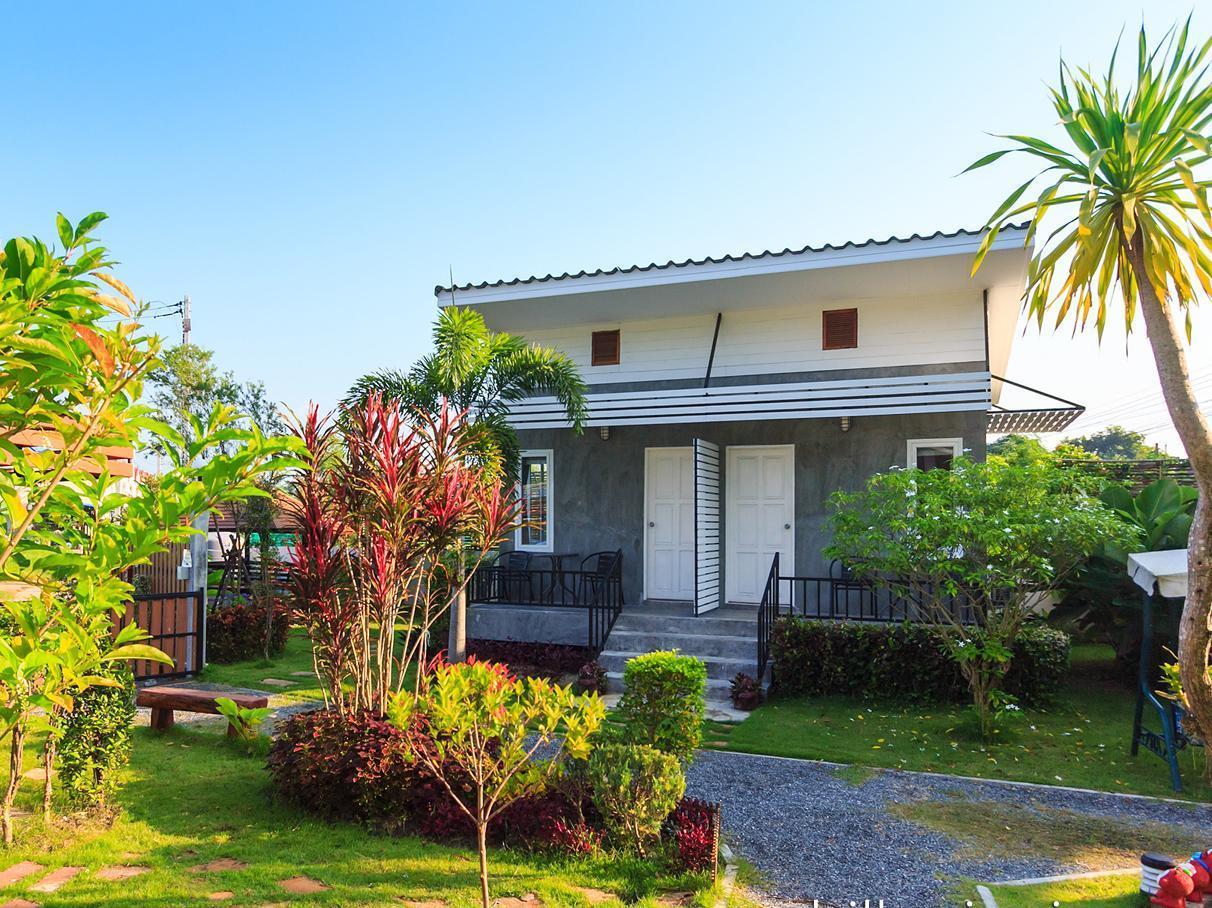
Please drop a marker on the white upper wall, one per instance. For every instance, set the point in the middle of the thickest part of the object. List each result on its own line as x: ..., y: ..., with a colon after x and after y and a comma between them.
x: 918, y: 302
x: 915, y: 330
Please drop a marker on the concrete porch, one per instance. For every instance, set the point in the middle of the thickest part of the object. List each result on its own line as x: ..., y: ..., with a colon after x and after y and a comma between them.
x: 724, y: 638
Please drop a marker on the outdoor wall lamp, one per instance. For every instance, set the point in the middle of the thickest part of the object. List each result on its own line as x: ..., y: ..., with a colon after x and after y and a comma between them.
x: 845, y: 423
x: 604, y: 432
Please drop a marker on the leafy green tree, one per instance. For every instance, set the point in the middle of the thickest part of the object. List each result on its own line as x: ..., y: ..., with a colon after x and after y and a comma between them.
x: 1018, y: 448
x: 483, y: 731
x: 1114, y: 443
x: 999, y: 536
x: 186, y: 387
x: 1129, y: 186
x: 71, y: 378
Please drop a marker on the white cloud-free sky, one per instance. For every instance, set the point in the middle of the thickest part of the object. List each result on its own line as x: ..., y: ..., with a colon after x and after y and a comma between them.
x: 308, y: 172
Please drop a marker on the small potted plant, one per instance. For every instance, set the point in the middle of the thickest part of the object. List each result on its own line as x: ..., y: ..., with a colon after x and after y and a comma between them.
x: 746, y: 692
x: 592, y: 678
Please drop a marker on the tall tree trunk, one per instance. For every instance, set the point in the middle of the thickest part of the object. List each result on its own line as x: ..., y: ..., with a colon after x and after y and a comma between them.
x: 1195, y: 628
x: 267, y: 598
x: 15, y: 759
x: 482, y: 842
x: 49, y: 751
x: 456, y: 648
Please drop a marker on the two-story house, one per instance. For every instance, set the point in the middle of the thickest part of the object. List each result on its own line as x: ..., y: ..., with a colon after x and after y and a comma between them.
x: 728, y: 398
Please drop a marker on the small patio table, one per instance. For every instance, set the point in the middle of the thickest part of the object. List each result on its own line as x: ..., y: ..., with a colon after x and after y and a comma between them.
x: 1161, y: 575
x: 558, y: 580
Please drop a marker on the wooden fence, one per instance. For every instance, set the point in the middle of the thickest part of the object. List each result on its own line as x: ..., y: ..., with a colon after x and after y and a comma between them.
x: 170, y: 611
x: 1136, y: 474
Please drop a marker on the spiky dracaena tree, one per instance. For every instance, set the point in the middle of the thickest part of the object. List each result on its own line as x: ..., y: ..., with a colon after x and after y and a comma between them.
x: 1136, y: 232
x: 480, y: 373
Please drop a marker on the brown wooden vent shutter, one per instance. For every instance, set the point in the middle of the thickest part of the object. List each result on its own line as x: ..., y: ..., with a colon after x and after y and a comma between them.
x: 605, y: 348
x: 840, y: 329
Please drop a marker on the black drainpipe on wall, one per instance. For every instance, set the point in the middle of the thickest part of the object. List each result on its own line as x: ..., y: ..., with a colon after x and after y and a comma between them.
x: 719, y: 317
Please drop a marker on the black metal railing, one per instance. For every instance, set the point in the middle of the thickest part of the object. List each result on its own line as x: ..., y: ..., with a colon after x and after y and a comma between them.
x: 768, y: 612
x: 850, y: 599
x: 176, y: 623
x: 846, y: 598
x: 599, y: 592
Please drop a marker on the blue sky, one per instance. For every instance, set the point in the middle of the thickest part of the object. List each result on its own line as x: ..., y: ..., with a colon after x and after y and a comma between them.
x: 308, y: 172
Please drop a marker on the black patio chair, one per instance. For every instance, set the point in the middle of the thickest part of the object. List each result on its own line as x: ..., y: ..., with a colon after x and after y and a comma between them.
x: 844, y: 584
x: 595, y: 570
x: 513, y: 576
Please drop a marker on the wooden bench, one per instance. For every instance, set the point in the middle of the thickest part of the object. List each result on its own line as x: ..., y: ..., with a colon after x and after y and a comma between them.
x: 165, y: 700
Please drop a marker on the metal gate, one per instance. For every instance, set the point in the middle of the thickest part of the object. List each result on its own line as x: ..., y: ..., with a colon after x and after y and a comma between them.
x: 176, y: 622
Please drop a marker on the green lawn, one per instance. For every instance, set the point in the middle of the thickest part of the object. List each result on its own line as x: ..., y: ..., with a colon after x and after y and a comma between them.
x: 1081, y: 740
x: 192, y: 797
x: 1101, y: 892
x: 296, y: 658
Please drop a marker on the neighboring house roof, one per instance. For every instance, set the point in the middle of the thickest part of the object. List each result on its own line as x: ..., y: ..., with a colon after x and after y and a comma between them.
x: 119, y: 460
x: 222, y: 518
x: 892, y: 244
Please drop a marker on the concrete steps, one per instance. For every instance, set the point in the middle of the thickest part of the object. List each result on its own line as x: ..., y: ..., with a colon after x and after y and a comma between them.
x: 725, y: 639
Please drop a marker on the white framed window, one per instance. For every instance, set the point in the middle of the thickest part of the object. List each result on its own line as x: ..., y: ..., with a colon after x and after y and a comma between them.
x: 535, y: 494
x: 932, y: 453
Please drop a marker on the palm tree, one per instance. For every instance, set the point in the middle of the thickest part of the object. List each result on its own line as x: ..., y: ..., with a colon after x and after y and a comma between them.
x: 1137, y: 229
x: 482, y: 372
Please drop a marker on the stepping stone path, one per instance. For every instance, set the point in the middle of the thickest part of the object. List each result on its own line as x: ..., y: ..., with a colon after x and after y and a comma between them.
x: 597, y: 896
x: 19, y: 903
x: 221, y: 896
x: 37, y: 774
x: 218, y: 866
x: 55, y: 880
x: 19, y: 872
x: 529, y: 900
x: 302, y: 885
x: 429, y: 903
x: 277, y: 682
x: 302, y: 674
x: 113, y: 874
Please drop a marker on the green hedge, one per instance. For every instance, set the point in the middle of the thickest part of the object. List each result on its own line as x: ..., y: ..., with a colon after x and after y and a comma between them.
x: 904, y: 661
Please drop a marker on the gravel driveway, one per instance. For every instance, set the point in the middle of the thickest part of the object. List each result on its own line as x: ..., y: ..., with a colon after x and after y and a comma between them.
x: 814, y: 835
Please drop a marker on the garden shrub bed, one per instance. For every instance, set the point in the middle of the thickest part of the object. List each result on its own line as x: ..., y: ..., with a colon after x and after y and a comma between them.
x: 551, y: 659
x: 904, y: 661
x: 355, y: 768
x: 236, y: 632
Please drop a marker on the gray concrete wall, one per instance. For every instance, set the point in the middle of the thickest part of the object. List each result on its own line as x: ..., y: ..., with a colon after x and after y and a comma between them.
x: 599, y: 484
x: 533, y: 625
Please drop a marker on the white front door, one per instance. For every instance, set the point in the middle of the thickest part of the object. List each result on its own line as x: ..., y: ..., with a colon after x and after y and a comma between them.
x: 759, y: 517
x: 669, y: 524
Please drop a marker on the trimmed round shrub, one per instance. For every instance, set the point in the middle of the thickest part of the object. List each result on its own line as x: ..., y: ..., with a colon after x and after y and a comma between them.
x: 236, y: 632
x: 904, y: 661
x: 93, y: 740
x: 662, y: 704
x: 635, y: 787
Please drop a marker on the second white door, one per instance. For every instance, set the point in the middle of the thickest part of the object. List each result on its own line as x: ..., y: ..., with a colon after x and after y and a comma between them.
x: 669, y: 524
x: 759, y: 518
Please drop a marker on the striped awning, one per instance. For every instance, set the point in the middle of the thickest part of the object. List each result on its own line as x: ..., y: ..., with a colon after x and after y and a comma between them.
x: 940, y: 393
x: 1055, y: 419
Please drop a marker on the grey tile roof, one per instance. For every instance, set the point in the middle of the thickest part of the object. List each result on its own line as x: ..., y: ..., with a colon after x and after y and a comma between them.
x: 711, y: 260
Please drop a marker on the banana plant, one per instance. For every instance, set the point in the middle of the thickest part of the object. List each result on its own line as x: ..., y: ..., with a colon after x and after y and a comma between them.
x: 1162, y: 511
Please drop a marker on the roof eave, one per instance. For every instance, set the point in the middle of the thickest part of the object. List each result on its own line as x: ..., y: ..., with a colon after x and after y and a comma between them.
x: 870, y: 252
